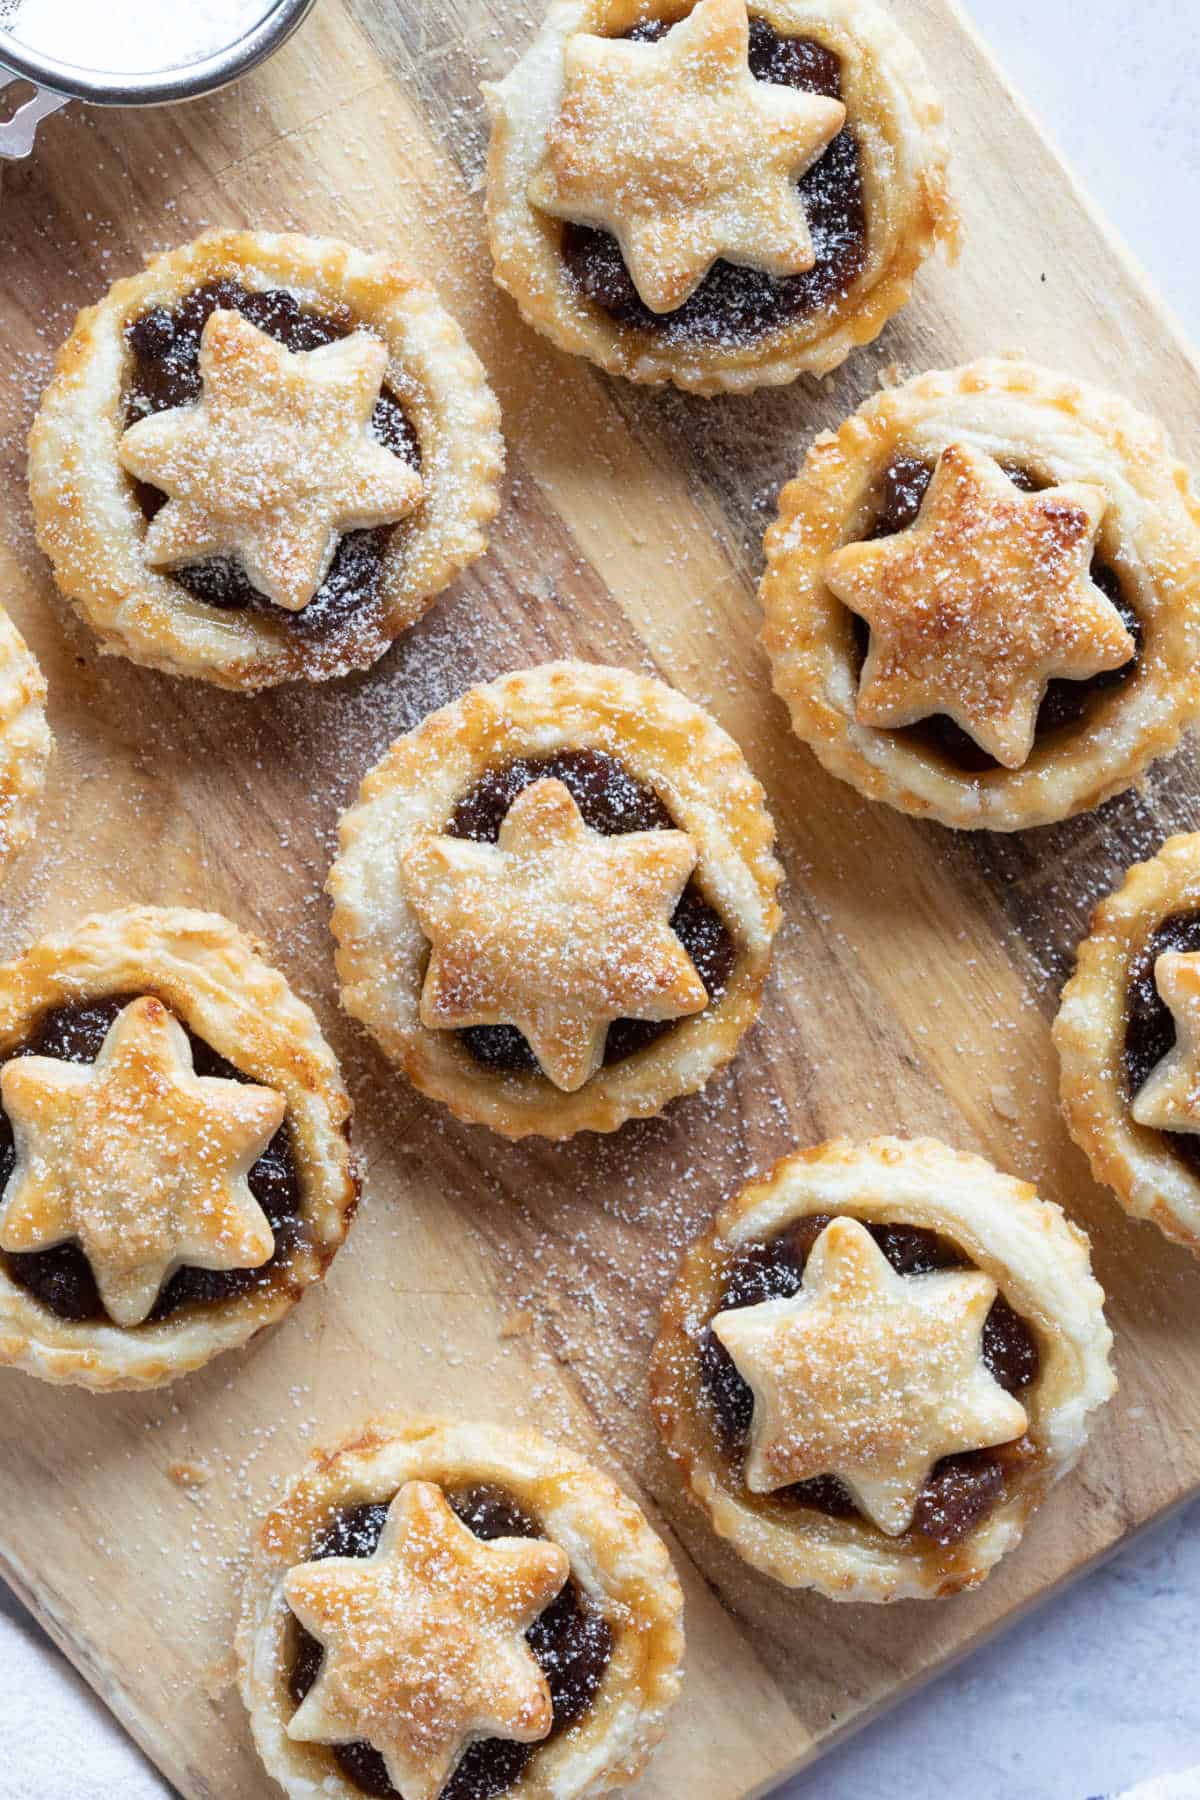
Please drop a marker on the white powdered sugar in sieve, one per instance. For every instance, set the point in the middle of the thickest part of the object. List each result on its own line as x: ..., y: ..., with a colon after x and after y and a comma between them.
x: 130, y: 37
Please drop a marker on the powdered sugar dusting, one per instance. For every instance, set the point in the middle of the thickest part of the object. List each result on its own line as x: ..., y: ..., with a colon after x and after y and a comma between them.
x: 911, y: 966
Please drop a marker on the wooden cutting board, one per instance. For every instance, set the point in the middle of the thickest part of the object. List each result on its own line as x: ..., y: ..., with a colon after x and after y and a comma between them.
x: 916, y: 974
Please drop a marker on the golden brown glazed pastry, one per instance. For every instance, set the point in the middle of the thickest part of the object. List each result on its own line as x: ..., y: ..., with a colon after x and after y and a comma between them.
x: 723, y: 199
x: 1126, y: 1035
x: 555, y: 899
x: 25, y: 741
x: 876, y: 1365
x: 441, y: 1609
x: 262, y: 458
x: 174, y: 1159
x: 982, y: 597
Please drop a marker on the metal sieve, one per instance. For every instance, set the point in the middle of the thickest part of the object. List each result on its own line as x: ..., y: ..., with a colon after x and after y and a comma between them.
x: 195, y: 47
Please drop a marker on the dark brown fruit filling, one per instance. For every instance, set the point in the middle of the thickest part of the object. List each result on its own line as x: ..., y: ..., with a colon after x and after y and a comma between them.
x: 1150, y: 1026
x: 571, y: 1642
x: 165, y: 350
x: 901, y: 491
x: 735, y: 305
x: 61, y: 1278
x: 959, y: 1494
x: 611, y: 802
x: 960, y: 1490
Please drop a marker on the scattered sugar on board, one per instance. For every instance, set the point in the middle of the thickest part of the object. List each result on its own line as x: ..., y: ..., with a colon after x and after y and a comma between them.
x: 581, y: 1239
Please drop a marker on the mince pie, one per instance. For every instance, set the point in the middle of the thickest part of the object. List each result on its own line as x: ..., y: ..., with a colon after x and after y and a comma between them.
x: 715, y: 194
x: 876, y: 1365
x: 555, y: 900
x: 446, y: 1611
x: 25, y: 740
x: 1128, y: 1036
x: 174, y: 1159
x: 982, y: 597
x: 260, y: 459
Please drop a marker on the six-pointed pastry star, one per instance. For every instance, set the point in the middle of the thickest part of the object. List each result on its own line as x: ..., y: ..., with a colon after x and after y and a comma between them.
x: 555, y: 929
x: 138, y: 1158
x: 677, y: 150
x: 867, y: 1375
x: 980, y: 604
x: 424, y: 1641
x: 1169, y: 1098
x: 274, y: 462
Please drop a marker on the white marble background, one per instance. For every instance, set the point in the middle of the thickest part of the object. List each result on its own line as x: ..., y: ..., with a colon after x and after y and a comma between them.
x: 1098, y: 1689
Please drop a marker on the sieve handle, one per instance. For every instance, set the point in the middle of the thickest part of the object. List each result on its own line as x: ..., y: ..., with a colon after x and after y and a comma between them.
x: 18, y: 132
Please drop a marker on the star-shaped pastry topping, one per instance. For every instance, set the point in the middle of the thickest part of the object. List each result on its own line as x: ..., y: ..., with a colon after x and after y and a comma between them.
x: 139, y: 1159
x: 554, y: 929
x: 980, y: 604
x: 1169, y: 1098
x: 424, y: 1641
x: 677, y: 150
x: 867, y: 1375
x: 274, y: 462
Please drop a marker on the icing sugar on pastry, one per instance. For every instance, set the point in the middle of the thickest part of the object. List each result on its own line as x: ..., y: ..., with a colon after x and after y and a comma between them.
x: 295, y: 465
x: 555, y: 929
x: 550, y: 941
x: 424, y: 1641
x: 980, y: 604
x: 276, y: 460
x: 1127, y: 1034
x: 1170, y: 1098
x: 712, y: 195
x: 1004, y: 591
x: 678, y: 150
x: 175, y: 1165
x: 876, y: 1363
x: 138, y: 1158
x: 441, y: 1607
x: 25, y: 740
x: 868, y: 1375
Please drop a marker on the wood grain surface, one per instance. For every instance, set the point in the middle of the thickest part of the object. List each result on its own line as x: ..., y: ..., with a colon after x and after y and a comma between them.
x: 916, y: 975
